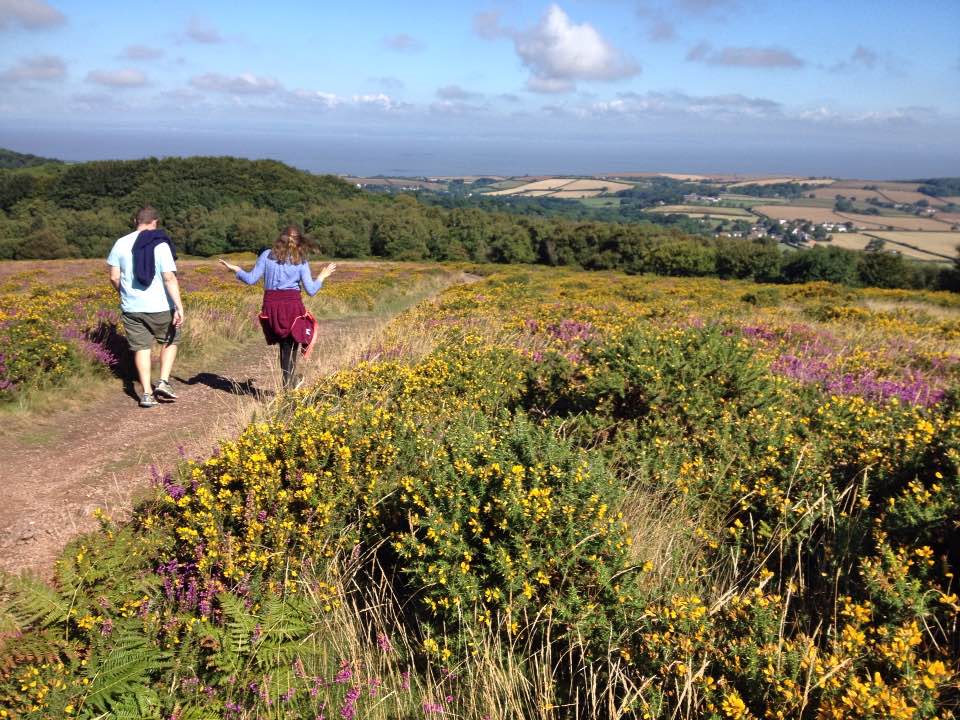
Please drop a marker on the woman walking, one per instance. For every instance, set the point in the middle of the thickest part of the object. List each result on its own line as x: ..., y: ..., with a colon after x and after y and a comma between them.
x: 285, y: 272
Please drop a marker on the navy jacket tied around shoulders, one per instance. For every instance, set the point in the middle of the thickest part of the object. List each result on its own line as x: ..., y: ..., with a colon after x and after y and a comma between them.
x: 144, y: 264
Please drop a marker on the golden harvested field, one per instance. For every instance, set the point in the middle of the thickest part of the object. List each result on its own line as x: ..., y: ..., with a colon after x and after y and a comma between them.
x: 830, y: 192
x: 813, y: 214
x: 941, y: 243
x: 603, y: 185
x: 899, y: 222
x: 859, y: 241
x: 777, y: 180
x: 703, y: 210
x: 910, y: 197
x: 847, y: 241
x: 551, y: 185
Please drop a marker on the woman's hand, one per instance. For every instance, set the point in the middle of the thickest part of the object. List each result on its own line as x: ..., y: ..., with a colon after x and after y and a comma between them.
x: 230, y: 266
x: 327, y: 271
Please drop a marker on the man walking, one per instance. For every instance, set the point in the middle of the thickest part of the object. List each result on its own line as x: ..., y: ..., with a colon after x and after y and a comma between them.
x: 143, y: 271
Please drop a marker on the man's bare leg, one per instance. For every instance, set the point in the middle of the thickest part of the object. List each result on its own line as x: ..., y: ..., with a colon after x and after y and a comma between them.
x: 167, y: 355
x: 141, y: 359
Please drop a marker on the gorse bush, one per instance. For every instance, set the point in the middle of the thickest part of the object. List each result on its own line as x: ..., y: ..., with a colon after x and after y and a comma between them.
x: 33, y: 353
x: 505, y: 523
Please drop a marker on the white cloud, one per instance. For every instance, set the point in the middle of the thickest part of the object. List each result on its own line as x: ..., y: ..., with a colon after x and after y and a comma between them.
x: 202, y: 31
x: 403, y: 43
x: 896, y: 117
x: 716, y: 106
x: 454, y: 107
x: 29, y: 14
x: 41, y: 67
x: 141, y: 52
x: 862, y: 58
x: 487, y: 25
x: 244, y: 84
x: 316, y: 97
x: 380, y: 100
x: 560, y: 52
x: 125, y: 78
x: 455, y: 92
x: 327, y: 101
x: 756, y: 57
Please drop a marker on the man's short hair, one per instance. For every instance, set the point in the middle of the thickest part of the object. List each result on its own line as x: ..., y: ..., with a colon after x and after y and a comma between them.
x: 146, y: 215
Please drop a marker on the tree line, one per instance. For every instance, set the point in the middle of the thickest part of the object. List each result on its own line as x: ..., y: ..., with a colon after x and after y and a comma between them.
x: 220, y: 205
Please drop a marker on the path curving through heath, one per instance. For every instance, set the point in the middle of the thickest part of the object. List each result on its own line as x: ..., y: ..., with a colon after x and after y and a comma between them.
x: 53, y: 477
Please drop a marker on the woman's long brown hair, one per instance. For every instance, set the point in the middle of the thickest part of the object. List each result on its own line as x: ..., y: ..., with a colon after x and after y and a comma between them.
x: 290, y: 246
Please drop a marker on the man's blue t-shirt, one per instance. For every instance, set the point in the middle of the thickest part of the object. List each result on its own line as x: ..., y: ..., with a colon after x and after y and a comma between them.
x: 134, y: 296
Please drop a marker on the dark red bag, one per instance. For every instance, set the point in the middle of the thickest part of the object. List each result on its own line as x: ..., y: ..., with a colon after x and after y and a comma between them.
x: 304, y: 331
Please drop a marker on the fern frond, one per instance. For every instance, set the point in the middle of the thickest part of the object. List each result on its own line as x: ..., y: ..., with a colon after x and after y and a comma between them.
x: 121, y: 671
x: 28, y: 601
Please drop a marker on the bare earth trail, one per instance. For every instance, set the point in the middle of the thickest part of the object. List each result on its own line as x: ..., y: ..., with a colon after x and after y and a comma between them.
x: 102, y: 455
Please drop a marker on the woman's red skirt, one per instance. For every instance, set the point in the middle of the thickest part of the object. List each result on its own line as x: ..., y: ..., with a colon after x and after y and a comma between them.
x: 281, y: 308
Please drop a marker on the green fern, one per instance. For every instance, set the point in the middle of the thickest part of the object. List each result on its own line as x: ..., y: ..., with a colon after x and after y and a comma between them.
x: 28, y: 602
x: 120, y: 672
x: 235, y: 638
x: 285, y: 627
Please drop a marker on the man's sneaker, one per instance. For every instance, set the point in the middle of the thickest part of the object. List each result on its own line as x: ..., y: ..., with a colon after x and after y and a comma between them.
x: 162, y: 389
x: 148, y: 401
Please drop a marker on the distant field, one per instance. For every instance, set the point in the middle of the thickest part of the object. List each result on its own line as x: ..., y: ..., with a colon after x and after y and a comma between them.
x: 921, y: 247
x: 711, y: 210
x: 941, y: 243
x: 908, y: 197
x: 502, y: 185
x: 575, y: 194
x: 847, y: 241
x: 810, y: 214
x: 601, y: 202
x: 778, y: 180
x: 397, y: 182
x: 858, y: 194
x: 585, y: 187
x: 898, y: 222
x: 749, y: 200
x: 879, y: 184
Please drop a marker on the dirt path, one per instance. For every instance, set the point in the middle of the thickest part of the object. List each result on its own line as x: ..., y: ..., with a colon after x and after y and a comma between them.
x: 53, y: 478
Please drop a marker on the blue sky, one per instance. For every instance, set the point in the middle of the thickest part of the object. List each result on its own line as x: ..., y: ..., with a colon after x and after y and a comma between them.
x: 501, y: 86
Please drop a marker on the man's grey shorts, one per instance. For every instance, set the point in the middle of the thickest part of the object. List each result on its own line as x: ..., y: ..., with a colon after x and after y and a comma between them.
x: 142, y: 328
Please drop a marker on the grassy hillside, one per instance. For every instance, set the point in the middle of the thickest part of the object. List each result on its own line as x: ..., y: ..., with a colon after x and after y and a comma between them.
x: 10, y: 159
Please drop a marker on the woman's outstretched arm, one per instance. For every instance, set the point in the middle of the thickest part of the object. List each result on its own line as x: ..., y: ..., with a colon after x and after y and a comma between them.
x: 309, y: 284
x: 248, y: 277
